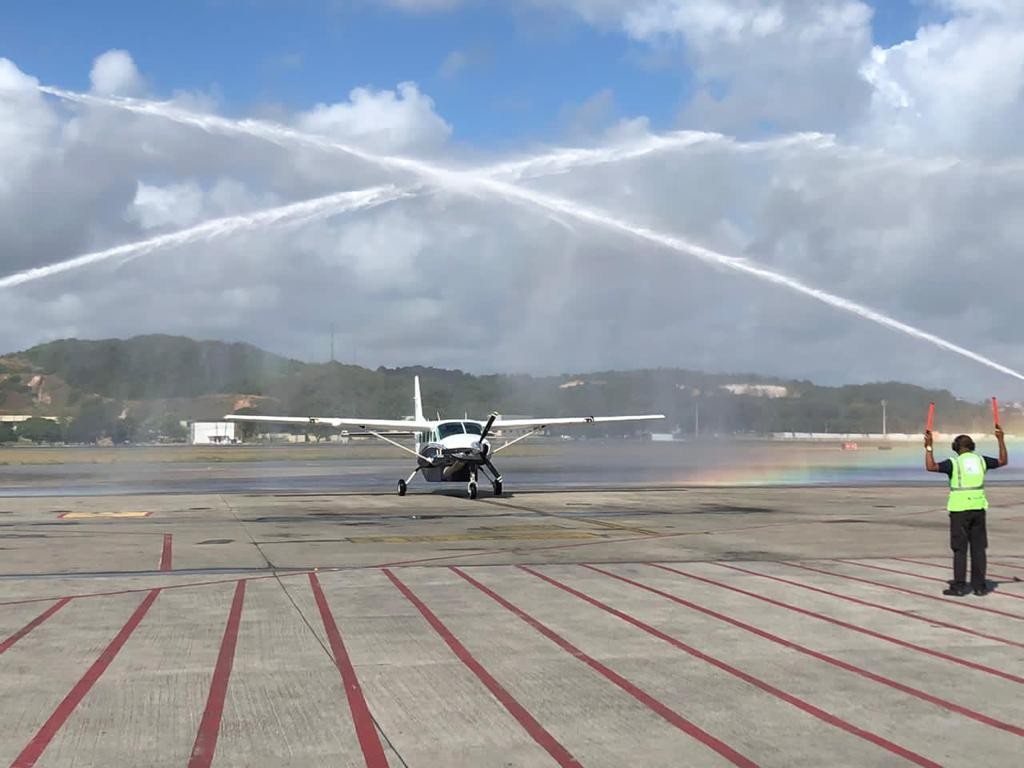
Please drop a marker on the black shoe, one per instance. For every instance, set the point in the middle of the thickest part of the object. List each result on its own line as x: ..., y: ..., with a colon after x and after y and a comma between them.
x: 982, y: 591
x: 957, y: 590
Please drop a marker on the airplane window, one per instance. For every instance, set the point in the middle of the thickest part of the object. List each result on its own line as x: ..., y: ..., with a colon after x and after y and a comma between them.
x: 449, y: 428
x: 472, y: 428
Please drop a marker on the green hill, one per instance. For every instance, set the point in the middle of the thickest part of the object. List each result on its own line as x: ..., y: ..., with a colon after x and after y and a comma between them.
x: 154, y: 381
x: 147, y: 367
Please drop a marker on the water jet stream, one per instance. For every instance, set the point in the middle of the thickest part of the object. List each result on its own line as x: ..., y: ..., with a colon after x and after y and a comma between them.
x: 472, y: 181
x: 543, y: 164
x: 295, y: 213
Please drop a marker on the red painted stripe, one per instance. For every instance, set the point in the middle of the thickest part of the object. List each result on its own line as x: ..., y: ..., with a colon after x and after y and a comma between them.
x: 1007, y: 565
x: 778, y: 693
x: 209, y: 727
x: 945, y: 600
x: 165, y: 554
x: 537, y: 732
x: 35, y: 748
x: 832, y: 660
x: 34, y: 623
x: 366, y: 728
x: 637, y: 693
x: 919, y: 576
x: 869, y: 604
x: 948, y: 567
x: 847, y: 625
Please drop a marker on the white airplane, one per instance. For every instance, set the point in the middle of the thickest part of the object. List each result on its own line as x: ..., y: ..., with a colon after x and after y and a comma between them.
x: 447, y: 450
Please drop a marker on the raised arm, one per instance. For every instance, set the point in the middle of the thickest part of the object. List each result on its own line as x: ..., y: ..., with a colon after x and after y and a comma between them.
x: 1004, y: 458
x: 929, y: 456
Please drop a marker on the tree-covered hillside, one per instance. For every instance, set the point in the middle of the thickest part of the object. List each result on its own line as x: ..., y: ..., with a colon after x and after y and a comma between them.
x: 147, y: 367
x: 141, y: 387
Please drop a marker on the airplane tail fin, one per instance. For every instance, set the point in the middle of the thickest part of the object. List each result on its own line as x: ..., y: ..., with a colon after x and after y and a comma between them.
x: 417, y: 400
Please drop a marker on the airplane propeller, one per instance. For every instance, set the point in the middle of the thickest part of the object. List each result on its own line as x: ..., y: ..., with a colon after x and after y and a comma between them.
x: 486, y: 430
x: 488, y: 425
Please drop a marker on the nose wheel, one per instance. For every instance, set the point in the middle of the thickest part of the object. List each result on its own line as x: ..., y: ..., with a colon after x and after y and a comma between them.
x: 472, y: 489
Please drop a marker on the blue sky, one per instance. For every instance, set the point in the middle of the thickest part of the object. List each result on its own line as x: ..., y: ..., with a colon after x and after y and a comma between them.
x: 524, y: 68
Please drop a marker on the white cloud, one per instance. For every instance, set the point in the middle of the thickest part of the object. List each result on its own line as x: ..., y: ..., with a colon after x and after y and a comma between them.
x: 956, y: 87
x: 114, y: 73
x: 389, y: 121
x: 27, y: 126
x: 177, y: 205
x: 706, y: 22
x: 785, y: 64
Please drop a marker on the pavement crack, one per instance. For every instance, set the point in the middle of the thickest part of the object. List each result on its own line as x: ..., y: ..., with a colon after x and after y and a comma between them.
x: 245, y: 529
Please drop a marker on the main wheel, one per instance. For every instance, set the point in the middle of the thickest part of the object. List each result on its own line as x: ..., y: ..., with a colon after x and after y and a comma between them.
x: 402, y: 487
x: 472, y: 490
x: 497, y: 487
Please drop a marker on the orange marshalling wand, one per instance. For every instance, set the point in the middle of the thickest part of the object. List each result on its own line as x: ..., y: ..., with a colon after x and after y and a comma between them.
x: 931, y: 416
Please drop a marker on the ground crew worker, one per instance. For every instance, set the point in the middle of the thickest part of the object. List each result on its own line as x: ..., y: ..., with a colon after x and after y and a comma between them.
x: 967, y: 504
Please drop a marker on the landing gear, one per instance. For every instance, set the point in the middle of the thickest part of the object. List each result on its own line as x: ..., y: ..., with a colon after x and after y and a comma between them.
x: 491, y: 471
x: 403, y: 485
x: 472, y: 489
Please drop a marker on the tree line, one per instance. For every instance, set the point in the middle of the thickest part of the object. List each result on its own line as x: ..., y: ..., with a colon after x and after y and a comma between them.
x: 140, y: 389
x: 97, y: 421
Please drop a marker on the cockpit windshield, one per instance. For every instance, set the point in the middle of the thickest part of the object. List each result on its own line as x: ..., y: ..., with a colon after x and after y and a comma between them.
x: 449, y: 428
x: 472, y: 428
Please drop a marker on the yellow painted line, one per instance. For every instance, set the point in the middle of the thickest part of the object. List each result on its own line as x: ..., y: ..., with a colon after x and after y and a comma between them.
x: 483, y: 536
x: 97, y: 515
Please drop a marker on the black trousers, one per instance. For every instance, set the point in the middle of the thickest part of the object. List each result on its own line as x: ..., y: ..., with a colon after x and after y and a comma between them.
x: 967, y: 530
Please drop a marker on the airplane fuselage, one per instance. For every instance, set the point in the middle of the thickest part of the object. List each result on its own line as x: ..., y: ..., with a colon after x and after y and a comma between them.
x: 453, y: 451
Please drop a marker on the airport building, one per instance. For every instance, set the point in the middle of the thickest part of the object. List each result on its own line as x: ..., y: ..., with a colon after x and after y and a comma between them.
x: 212, y: 432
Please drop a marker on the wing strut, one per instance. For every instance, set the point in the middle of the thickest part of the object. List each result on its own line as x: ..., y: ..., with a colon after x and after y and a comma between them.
x: 398, y: 445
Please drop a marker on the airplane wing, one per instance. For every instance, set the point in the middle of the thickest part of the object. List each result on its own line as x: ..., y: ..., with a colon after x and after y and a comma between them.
x: 373, y: 424
x: 542, y: 423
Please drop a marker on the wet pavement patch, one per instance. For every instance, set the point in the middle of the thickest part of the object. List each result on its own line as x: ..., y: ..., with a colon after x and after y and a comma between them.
x: 732, y: 509
x: 215, y: 541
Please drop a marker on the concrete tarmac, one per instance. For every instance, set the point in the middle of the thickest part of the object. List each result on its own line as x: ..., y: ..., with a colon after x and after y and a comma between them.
x: 675, y: 627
